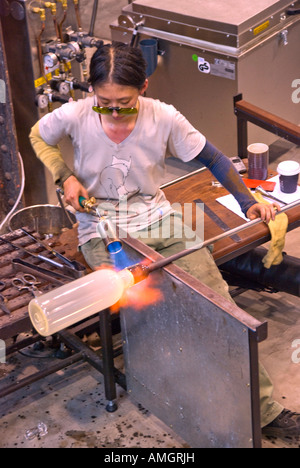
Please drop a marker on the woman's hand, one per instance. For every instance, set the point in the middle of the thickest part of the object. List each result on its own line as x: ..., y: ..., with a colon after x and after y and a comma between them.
x: 72, y: 191
x: 263, y: 211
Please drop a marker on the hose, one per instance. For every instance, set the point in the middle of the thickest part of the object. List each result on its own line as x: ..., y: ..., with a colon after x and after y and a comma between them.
x: 20, y: 193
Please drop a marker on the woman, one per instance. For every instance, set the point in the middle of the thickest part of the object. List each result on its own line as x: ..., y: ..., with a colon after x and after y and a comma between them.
x: 120, y: 141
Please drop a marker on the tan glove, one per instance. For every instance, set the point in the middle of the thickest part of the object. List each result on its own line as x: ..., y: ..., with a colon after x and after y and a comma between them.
x: 278, y: 230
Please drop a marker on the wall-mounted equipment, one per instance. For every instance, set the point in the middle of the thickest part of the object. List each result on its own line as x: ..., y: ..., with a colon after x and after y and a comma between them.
x: 47, y: 64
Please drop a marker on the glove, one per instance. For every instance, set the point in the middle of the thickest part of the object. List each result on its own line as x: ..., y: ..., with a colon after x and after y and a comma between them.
x: 278, y: 230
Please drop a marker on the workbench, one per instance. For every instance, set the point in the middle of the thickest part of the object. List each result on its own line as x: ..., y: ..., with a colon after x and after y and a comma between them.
x: 199, y: 185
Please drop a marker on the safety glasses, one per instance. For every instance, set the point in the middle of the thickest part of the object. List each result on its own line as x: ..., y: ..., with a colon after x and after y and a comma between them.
x: 119, y: 110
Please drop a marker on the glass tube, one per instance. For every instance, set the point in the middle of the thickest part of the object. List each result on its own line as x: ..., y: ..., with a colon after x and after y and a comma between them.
x: 75, y: 301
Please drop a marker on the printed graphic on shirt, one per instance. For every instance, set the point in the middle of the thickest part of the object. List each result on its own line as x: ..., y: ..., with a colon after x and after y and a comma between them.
x: 113, y: 179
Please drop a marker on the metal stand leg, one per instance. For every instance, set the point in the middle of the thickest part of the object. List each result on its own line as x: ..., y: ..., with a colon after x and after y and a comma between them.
x: 242, y: 137
x: 242, y: 129
x: 108, y: 360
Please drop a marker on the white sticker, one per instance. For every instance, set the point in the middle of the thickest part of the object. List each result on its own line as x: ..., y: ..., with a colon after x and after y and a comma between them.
x: 223, y: 68
x: 203, y: 65
x: 2, y: 92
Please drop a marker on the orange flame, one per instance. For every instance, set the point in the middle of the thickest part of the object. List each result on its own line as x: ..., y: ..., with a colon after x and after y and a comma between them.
x: 139, y: 296
x: 143, y: 294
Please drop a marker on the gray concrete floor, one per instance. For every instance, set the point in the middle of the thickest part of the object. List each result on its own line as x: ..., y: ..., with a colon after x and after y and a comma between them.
x: 72, y: 405
x: 71, y: 402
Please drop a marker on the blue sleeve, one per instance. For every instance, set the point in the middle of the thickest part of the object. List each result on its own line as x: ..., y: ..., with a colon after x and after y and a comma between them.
x: 224, y: 171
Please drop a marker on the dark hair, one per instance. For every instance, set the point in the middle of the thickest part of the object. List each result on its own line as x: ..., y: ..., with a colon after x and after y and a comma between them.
x: 118, y: 63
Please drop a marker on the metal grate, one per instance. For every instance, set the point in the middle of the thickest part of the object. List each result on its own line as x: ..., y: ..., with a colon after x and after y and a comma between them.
x: 13, y: 263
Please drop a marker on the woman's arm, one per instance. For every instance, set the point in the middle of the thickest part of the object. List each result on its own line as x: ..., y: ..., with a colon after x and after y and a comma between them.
x: 224, y: 171
x: 52, y: 158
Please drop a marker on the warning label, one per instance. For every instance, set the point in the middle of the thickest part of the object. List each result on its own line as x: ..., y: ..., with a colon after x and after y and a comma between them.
x: 223, y: 68
x: 219, y: 67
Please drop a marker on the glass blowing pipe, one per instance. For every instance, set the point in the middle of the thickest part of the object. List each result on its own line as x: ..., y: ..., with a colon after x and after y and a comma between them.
x: 68, y: 304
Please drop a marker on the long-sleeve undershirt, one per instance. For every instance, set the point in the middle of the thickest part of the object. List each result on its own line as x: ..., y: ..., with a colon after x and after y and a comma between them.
x: 224, y: 171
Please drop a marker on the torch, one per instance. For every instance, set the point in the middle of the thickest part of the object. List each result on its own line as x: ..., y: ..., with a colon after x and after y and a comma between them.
x: 105, y: 229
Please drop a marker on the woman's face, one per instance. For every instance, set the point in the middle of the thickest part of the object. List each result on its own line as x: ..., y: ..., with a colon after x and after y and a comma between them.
x: 115, y: 95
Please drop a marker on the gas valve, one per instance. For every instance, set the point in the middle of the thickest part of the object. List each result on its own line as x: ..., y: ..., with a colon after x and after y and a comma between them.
x: 46, y: 96
x: 81, y: 85
x: 63, y: 51
x: 56, y: 97
x: 83, y: 38
x: 42, y: 101
x: 89, y: 204
x: 59, y: 85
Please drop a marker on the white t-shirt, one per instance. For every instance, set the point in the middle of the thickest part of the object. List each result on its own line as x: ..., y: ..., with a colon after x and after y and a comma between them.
x: 125, y: 176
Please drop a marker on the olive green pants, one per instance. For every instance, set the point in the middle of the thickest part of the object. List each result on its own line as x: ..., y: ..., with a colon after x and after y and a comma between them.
x: 199, y: 264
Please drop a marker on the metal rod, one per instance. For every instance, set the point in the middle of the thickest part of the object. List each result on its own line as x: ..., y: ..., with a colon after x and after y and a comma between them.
x: 263, y: 192
x: 49, y: 275
x: 42, y: 374
x: 180, y: 179
x: 166, y: 261
x: 59, y: 193
x: 75, y: 343
x: 40, y: 256
x: 70, y: 263
x: 93, y: 18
